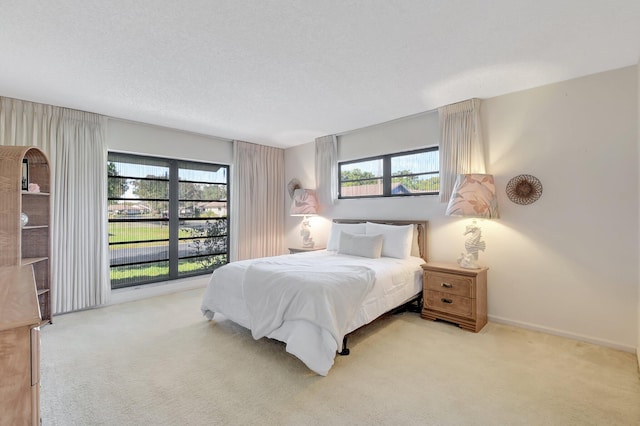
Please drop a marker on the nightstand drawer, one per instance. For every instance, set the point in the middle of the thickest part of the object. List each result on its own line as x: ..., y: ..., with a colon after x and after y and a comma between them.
x: 450, y: 303
x: 449, y: 283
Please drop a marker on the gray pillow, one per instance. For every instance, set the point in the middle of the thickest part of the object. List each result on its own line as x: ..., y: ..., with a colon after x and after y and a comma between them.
x: 360, y: 245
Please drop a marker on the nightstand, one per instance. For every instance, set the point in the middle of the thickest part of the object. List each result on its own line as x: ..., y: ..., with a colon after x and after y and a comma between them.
x: 294, y: 250
x: 455, y: 294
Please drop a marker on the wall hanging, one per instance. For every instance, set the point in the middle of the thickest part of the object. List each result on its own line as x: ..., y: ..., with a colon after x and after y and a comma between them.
x: 524, y: 189
x: 292, y: 186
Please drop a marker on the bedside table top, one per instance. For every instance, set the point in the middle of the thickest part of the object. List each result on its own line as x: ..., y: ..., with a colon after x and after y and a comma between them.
x: 301, y: 249
x: 451, y: 267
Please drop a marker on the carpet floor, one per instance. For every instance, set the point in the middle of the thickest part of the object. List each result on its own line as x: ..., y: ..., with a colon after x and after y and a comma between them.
x: 159, y: 362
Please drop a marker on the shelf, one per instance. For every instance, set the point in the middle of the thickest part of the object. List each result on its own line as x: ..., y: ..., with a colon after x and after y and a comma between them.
x: 43, y: 291
x: 31, y: 260
x: 35, y: 226
x: 35, y: 193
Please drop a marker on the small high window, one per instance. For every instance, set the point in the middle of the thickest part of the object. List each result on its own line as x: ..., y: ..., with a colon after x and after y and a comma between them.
x: 391, y: 175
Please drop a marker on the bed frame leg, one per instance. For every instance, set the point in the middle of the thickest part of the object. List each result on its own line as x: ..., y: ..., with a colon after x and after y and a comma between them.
x: 345, y: 351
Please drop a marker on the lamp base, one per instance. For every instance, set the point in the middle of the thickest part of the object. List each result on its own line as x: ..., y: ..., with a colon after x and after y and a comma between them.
x: 467, y: 261
x: 307, y: 241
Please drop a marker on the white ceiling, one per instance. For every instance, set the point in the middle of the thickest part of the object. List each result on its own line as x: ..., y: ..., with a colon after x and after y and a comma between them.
x: 283, y: 72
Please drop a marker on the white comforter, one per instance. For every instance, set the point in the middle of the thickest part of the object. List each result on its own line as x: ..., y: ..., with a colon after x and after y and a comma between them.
x: 295, y: 288
x: 311, y: 337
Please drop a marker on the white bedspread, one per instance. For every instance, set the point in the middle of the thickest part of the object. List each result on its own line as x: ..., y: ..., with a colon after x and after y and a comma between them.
x: 395, y: 282
x: 288, y: 289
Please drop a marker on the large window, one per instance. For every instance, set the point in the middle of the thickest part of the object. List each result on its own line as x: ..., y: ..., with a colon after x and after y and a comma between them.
x: 400, y: 174
x: 167, y: 218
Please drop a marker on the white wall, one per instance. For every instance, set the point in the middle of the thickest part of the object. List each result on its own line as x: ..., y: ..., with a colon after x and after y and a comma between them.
x: 566, y: 264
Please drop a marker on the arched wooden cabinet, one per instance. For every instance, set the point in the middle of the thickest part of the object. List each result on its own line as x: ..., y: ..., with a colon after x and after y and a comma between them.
x: 25, y: 279
x: 28, y: 244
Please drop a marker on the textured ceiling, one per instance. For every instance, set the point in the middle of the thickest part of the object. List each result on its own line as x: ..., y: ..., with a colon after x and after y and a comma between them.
x: 282, y: 72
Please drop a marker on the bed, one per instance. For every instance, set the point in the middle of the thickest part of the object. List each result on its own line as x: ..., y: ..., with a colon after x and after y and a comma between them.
x: 311, y: 301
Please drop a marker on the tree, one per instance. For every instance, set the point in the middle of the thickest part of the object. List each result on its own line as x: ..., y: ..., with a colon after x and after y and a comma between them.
x: 154, y: 188
x: 357, y: 177
x: 116, y: 187
x: 213, y: 240
x: 215, y: 192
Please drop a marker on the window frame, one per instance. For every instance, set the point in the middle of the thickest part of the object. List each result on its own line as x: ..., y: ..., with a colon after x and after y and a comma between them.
x: 386, y: 174
x: 173, y: 221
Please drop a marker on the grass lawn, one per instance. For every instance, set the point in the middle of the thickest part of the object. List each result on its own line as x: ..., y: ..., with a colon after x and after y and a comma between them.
x: 122, y: 232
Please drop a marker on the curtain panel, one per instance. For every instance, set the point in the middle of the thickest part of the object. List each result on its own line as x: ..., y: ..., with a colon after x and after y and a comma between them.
x: 327, y: 169
x: 258, y: 212
x: 461, y: 146
x: 75, y: 144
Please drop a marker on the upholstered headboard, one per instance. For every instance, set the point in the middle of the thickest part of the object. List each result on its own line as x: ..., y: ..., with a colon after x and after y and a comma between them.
x: 419, y: 233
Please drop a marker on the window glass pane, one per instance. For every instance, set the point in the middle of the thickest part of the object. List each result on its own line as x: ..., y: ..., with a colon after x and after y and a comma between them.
x: 361, y: 170
x: 362, y: 188
x: 201, y: 264
x: 137, y: 168
x: 203, y: 228
x: 126, y: 276
x: 195, y: 172
x: 125, y: 254
x: 202, y: 191
x: 414, y: 184
x: 121, y: 232
x: 150, y: 189
x: 414, y: 163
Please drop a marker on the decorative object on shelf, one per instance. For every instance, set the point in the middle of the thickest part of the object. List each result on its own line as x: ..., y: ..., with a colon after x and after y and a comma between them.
x: 25, y: 174
x: 474, y: 195
x: 304, y: 204
x: 24, y: 219
x: 524, y: 189
x: 33, y: 187
x: 292, y: 186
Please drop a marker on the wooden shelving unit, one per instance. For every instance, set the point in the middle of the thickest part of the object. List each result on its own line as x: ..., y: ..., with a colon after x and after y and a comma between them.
x: 29, y: 244
x: 19, y: 347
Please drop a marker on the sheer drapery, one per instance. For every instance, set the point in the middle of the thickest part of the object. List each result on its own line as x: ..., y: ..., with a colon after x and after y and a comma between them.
x: 259, y: 187
x: 75, y: 143
x: 327, y: 169
x: 461, y: 146
x: 81, y: 248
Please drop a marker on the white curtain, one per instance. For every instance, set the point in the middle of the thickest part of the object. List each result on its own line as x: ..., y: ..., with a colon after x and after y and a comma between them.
x: 327, y: 169
x: 75, y: 144
x: 461, y: 146
x: 258, y: 212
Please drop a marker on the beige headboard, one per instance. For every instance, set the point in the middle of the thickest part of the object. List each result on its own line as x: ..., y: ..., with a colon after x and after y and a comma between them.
x: 419, y: 232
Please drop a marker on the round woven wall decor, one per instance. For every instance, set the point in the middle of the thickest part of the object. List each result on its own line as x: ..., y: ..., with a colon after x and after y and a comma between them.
x: 524, y: 189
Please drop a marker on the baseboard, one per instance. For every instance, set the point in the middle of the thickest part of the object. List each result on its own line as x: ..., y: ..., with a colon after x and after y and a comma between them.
x: 131, y: 294
x: 566, y: 334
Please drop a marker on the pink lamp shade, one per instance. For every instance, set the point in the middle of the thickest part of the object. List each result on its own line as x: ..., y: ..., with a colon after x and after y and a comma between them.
x: 474, y: 195
x: 304, y: 203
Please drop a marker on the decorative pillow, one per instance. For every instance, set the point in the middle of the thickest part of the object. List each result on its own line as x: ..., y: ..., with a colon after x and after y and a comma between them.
x: 336, y: 228
x: 360, y: 245
x: 397, y: 238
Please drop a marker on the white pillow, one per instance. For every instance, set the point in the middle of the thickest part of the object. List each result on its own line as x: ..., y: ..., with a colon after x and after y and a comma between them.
x: 397, y: 238
x: 336, y: 228
x: 360, y: 245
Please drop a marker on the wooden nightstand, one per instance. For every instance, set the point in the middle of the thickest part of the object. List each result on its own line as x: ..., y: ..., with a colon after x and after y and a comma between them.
x: 294, y: 250
x: 455, y: 294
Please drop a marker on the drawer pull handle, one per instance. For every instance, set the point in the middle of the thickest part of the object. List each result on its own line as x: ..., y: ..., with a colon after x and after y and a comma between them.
x: 446, y: 300
x: 446, y: 285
